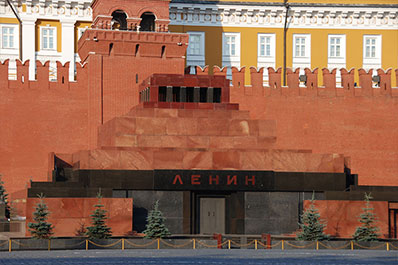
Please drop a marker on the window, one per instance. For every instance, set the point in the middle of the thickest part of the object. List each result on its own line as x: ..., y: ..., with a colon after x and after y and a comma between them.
x: 335, y: 47
x: 370, y: 47
x: 196, y: 43
x: 8, y: 35
x: 196, y: 49
x: 48, y: 38
x: 337, y: 54
x: 301, y: 51
x: 372, y: 51
x: 230, y: 45
x: 231, y: 51
x: 300, y: 46
x: 266, y: 52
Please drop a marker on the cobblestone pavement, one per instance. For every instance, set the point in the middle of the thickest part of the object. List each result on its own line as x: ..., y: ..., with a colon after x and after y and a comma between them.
x: 200, y: 256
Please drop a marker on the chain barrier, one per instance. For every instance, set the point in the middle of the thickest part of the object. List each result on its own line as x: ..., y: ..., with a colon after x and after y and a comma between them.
x: 193, y: 242
x: 105, y: 246
x: 334, y: 248
x: 242, y: 245
x: 364, y: 247
x: 269, y: 246
x: 212, y: 246
x: 76, y: 245
x: 305, y: 246
x: 176, y: 246
x: 392, y: 245
x: 19, y: 244
x: 136, y: 245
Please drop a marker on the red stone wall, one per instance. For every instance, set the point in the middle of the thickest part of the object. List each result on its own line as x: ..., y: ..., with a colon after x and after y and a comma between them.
x: 342, y: 216
x: 67, y: 214
x: 36, y: 118
x: 358, y: 122
x: 39, y: 117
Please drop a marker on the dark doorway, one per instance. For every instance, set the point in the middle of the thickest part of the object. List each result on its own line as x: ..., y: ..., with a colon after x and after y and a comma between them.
x: 393, y: 218
x: 147, y: 22
x: 119, y: 20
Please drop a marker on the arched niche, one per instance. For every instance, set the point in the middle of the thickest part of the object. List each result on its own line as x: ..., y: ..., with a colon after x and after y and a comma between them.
x: 119, y: 20
x: 147, y: 22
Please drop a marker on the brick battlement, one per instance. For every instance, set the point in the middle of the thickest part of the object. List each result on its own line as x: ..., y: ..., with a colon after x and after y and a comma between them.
x: 311, y: 87
x: 131, y: 43
x: 42, y: 79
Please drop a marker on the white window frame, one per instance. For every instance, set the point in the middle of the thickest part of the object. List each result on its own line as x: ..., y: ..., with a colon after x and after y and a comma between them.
x: 196, y: 59
x: 15, y: 40
x: 341, y: 59
x: 54, y: 38
x: 337, y: 61
x: 227, y: 59
x: 302, y: 61
x: 372, y: 62
x: 266, y: 60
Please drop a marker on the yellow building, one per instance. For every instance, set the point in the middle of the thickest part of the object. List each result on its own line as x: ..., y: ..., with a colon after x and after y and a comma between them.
x: 323, y: 34
x: 319, y: 34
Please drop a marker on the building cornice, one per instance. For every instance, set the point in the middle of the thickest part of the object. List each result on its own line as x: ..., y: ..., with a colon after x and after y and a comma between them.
x: 50, y: 9
x: 271, y: 15
x: 244, y: 3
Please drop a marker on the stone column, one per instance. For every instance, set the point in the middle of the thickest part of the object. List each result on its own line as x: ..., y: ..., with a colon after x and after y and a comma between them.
x: 68, y: 47
x: 169, y: 94
x: 29, y: 44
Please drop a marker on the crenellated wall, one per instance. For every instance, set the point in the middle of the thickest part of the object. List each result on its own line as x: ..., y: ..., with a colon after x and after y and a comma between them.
x: 42, y: 80
x: 36, y: 118
x: 41, y: 116
x: 360, y: 121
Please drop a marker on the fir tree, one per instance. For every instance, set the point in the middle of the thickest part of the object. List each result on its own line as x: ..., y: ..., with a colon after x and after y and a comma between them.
x: 155, y: 227
x: 311, y: 226
x: 40, y: 229
x: 368, y: 230
x: 99, y: 229
x: 4, y: 199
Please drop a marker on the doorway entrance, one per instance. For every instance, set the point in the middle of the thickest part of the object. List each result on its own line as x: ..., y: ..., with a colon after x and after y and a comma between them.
x: 212, y: 215
x: 393, y: 218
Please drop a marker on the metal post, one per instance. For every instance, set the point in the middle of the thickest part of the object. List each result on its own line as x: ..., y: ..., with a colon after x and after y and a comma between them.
x: 255, y: 244
x: 20, y: 28
x: 229, y: 244
x: 285, y: 3
x: 9, y: 245
x: 122, y: 243
x: 283, y: 244
x: 352, y: 245
x: 194, y: 244
x: 158, y: 243
x: 86, y: 244
x: 317, y: 245
x: 388, y: 246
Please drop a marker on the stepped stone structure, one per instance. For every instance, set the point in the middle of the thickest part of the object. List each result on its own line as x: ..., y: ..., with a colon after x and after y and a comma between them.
x: 230, y: 156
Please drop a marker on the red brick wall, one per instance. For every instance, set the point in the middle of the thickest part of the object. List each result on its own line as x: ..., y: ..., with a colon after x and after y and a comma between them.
x: 342, y: 216
x: 331, y: 120
x: 36, y: 118
x: 67, y: 214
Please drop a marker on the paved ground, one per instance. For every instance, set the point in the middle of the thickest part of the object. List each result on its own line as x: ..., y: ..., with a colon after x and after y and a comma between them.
x: 199, y: 256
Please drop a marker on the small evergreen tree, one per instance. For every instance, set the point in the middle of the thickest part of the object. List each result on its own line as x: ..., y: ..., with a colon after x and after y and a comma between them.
x: 40, y: 229
x: 311, y: 227
x: 155, y: 227
x: 99, y: 229
x: 368, y: 229
x: 4, y: 199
